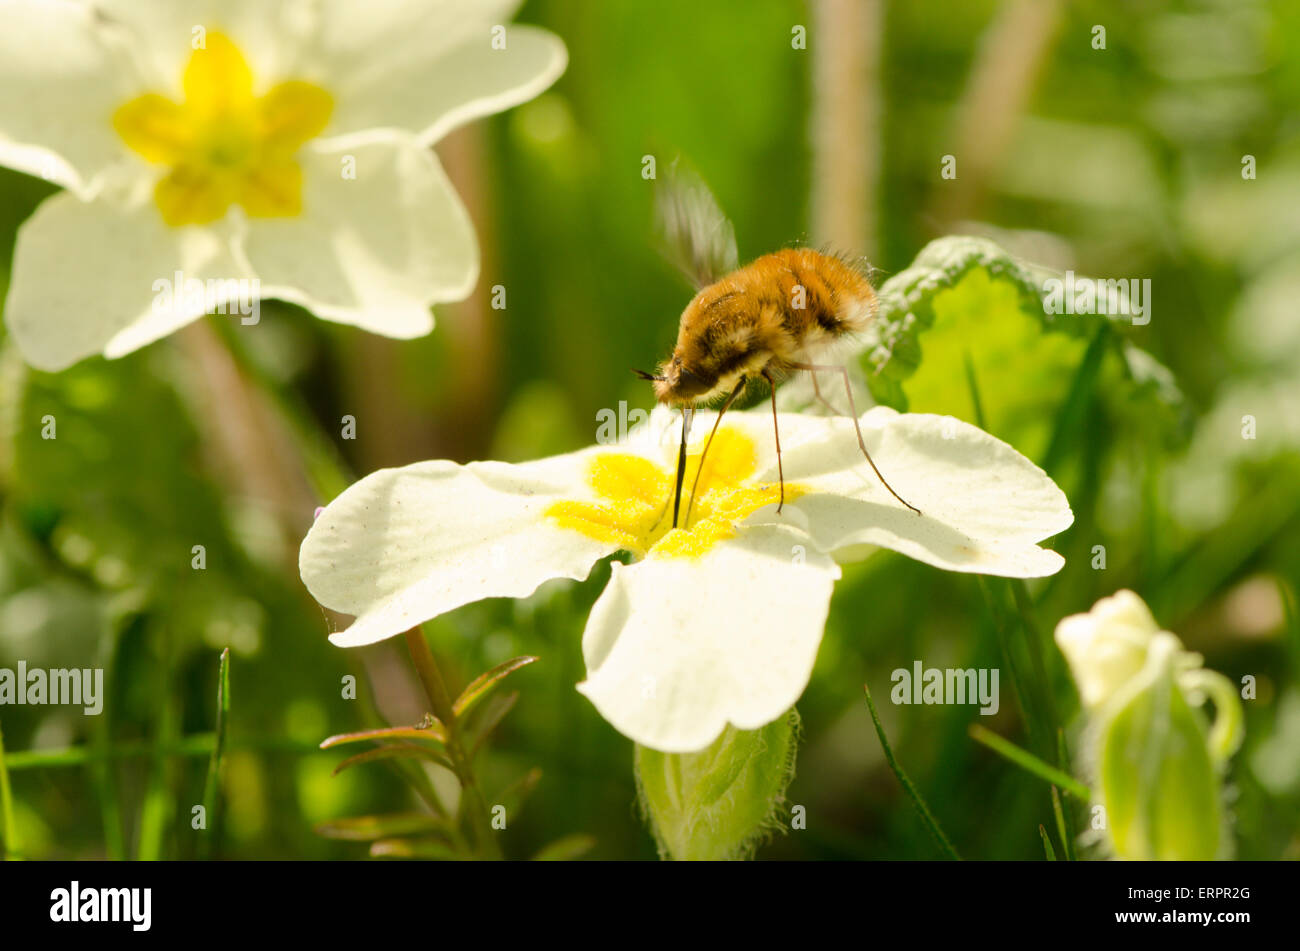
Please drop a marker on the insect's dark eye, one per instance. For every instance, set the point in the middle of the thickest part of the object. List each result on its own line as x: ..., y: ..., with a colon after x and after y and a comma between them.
x: 691, y: 384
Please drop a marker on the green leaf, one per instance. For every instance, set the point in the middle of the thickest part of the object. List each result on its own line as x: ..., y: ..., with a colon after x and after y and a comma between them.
x: 906, y: 307
x: 433, y: 733
x: 721, y: 802
x: 436, y: 849
x: 485, y: 683
x: 369, y: 828
x: 966, y: 307
x: 489, y: 717
x: 516, y: 794
x: 394, y: 751
x: 566, y: 849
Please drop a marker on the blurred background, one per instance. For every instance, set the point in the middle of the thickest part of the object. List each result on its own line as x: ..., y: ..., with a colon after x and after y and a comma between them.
x: 1122, y: 161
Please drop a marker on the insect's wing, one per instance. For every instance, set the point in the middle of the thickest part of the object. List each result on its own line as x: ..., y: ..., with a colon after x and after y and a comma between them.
x: 695, y: 234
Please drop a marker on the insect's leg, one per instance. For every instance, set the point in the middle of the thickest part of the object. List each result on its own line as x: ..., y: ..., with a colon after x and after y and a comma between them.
x: 776, y: 431
x: 817, y: 392
x: 740, y: 385
x: 862, y: 444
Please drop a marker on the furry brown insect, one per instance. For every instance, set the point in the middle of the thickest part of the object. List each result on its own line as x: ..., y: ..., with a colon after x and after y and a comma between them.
x: 784, y: 312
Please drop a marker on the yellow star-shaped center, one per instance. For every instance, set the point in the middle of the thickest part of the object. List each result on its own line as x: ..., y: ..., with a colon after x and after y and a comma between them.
x: 225, y: 146
x: 633, y: 508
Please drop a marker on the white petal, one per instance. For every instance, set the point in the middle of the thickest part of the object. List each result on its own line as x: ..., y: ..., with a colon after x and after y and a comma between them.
x: 162, y: 34
x: 428, y: 67
x: 86, y: 272
x: 374, y: 251
x: 676, y: 649
x: 984, y: 505
x: 405, y: 545
x: 59, y: 85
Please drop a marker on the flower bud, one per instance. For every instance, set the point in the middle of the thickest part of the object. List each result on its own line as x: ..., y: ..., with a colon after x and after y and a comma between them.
x: 1107, y: 646
x: 1158, y: 760
x: 718, y: 803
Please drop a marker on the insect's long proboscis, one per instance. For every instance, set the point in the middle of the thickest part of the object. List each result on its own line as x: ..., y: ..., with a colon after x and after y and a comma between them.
x: 688, y: 414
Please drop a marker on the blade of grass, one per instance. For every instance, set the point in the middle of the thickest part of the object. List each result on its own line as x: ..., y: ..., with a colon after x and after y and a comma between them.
x: 1064, y: 819
x: 1026, y: 702
x: 7, y: 824
x: 976, y: 404
x: 196, y: 745
x: 1039, y: 715
x: 1030, y: 763
x: 1265, y: 514
x: 926, y: 816
x: 1034, y: 640
x: 1077, y: 398
x: 156, y: 810
x: 1292, y: 619
x: 218, y: 748
x: 1047, y: 844
x: 101, y: 739
x: 1059, y: 813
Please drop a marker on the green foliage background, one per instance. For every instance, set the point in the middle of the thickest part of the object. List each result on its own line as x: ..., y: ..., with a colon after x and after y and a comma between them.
x: 1126, y: 163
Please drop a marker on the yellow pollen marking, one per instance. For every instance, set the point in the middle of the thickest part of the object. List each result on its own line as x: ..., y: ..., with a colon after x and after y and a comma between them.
x: 634, y: 499
x: 223, y: 145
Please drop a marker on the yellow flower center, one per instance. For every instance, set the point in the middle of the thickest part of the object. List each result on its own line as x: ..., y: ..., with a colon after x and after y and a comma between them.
x: 634, y: 506
x: 225, y: 146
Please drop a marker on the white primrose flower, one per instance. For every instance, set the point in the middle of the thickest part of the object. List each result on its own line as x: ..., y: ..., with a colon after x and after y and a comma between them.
x: 245, y: 148
x: 715, y: 622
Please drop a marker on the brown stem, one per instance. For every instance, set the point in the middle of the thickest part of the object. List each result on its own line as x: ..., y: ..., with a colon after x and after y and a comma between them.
x: 845, y: 124
x: 440, y: 701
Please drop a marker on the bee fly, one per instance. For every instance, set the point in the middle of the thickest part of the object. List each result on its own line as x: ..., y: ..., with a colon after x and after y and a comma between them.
x: 782, y: 313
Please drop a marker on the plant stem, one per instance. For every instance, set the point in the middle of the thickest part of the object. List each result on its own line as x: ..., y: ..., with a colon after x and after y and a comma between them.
x: 320, y: 459
x: 440, y: 701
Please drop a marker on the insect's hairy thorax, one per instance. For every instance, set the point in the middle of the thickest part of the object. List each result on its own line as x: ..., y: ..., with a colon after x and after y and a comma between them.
x: 779, y: 309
